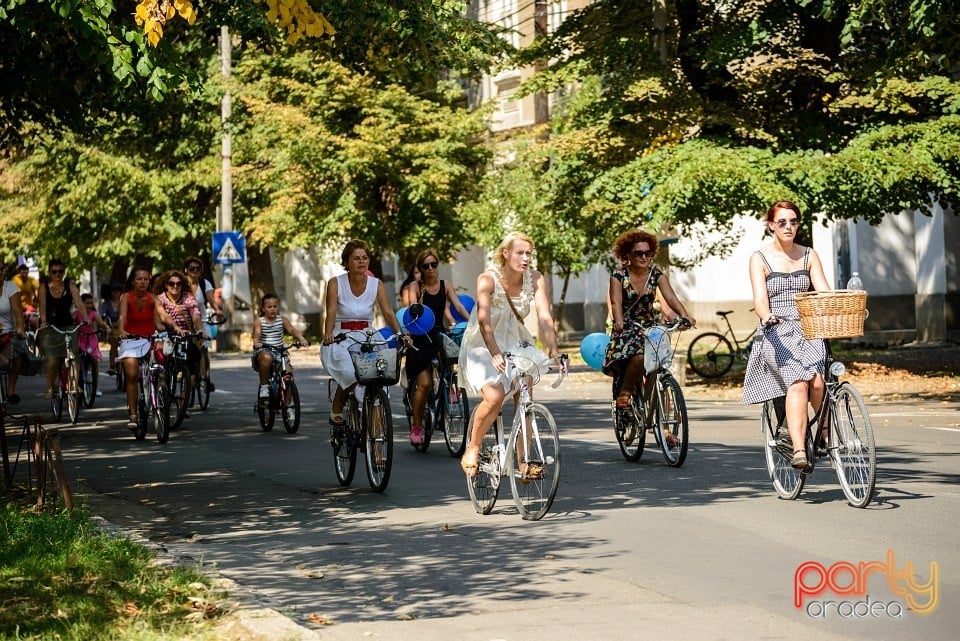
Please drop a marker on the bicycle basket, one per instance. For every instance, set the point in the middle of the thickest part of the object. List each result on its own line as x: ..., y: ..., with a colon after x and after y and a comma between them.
x: 657, y: 351
x: 836, y: 314
x: 381, y: 368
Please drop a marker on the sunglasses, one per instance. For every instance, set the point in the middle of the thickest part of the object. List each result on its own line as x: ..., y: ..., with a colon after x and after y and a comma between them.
x: 639, y: 253
x: 56, y: 271
x: 193, y: 268
x: 174, y: 283
x: 432, y: 265
x: 783, y: 222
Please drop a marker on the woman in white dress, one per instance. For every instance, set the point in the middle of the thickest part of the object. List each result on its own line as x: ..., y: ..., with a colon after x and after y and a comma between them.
x: 504, y: 296
x: 349, y: 309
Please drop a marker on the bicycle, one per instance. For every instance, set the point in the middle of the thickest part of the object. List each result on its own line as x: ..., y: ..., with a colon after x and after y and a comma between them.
x: 447, y: 407
x: 711, y: 354
x: 201, y: 390
x: 368, y: 427
x: 530, y: 457
x: 180, y: 374
x: 284, y: 395
x: 153, y: 393
x: 849, y: 441
x: 669, y: 409
x: 68, y: 387
x: 89, y: 372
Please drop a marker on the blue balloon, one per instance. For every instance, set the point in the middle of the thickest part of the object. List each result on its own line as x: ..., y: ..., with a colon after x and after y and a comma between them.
x: 420, y: 325
x: 387, y: 333
x: 212, y: 330
x: 400, y: 315
x: 467, y: 301
x: 593, y: 347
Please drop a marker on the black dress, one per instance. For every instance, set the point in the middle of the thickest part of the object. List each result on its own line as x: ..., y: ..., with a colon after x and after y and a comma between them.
x: 427, y: 345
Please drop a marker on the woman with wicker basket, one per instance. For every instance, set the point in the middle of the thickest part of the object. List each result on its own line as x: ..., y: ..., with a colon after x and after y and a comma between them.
x: 782, y: 362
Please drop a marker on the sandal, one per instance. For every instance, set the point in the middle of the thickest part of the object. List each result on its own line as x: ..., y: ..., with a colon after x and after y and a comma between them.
x: 133, y: 425
x: 470, y: 464
x: 799, y: 460
x: 531, y: 472
x: 672, y: 441
x: 336, y: 419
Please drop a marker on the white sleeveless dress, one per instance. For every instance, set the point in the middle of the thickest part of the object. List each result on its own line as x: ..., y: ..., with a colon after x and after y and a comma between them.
x: 336, y: 357
x: 475, y: 362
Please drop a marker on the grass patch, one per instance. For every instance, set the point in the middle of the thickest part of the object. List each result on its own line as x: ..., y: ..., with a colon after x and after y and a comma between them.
x: 61, y: 578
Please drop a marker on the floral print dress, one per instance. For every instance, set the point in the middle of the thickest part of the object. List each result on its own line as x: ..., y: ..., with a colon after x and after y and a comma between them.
x: 638, y: 308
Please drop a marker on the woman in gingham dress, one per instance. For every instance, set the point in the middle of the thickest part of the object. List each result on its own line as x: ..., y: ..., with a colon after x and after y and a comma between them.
x: 782, y: 362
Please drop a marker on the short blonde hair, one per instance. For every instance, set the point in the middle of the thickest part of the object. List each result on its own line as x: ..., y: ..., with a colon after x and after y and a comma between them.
x: 507, y: 244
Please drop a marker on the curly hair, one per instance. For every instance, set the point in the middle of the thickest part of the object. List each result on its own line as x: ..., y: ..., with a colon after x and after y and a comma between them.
x: 624, y: 243
x: 349, y: 248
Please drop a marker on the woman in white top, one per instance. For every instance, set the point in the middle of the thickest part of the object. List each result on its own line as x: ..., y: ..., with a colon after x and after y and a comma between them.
x: 12, y: 333
x: 503, y: 293
x: 349, y: 308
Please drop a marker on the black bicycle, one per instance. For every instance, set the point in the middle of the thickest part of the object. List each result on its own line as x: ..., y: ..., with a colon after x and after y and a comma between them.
x: 284, y: 396
x: 447, y: 408
x: 711, y: 354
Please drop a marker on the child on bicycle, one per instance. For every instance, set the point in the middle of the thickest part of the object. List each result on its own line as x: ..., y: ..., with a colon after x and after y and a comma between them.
x: 88, y: 339
x: 268, y: 331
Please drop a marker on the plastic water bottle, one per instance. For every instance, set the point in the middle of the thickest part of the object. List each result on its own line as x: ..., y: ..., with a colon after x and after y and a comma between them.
x: 855, y: 283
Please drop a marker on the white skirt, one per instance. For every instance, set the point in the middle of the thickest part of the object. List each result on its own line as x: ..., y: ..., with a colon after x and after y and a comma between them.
x: 133, y: 348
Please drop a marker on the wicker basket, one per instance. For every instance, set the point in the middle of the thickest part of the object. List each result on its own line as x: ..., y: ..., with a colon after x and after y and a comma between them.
x: 836, y: 314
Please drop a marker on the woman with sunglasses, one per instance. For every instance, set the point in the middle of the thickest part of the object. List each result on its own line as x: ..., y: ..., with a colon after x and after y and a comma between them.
x: 782, y: 362
x: 634, y: 290
x: 429, y: 291
x: 58, y: 298
x: 139, y: 319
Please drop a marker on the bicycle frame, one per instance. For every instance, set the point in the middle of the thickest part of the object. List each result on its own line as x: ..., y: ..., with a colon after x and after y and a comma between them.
x: 284, y: 395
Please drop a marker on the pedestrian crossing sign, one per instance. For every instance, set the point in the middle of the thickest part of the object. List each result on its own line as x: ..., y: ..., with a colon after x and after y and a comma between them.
x: 228, y: 247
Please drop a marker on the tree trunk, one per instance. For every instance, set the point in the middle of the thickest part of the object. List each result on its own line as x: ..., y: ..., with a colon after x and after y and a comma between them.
x: 563, y: 300
x: 260, y: 268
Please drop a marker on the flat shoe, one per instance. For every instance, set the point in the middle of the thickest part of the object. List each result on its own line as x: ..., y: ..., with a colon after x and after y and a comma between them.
x: 799, y: 461
x: 336, y: 420
x: 470, y: 464
x: 672, y: 441
x: 132, y: 426
x: 13, y: 398
x: 531, y: 472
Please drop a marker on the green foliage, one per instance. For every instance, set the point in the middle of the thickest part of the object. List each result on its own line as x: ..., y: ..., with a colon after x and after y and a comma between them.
x: 324, y: 154
x: 62, y: 579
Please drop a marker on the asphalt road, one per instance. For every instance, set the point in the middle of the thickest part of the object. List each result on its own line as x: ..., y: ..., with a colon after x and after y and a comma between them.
x: 628, y: 550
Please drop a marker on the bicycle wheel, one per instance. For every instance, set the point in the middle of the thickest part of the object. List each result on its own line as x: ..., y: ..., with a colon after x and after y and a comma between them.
x: 120, y: 378
x: 710, y: 355
x: 378, y: 433
x: 203, y: 381
x: 343, y: 439
x: 141, y: 412
x: 533, y: 461
x: 179, y: 383
x: 290, y: 406
x: 456, y: 410
x: 778, y: 450
x: 628, y: 424
x: 266, y: 411
x: 160, y: 407
x: 56, y: 401
x: 88, y: 381
x: 672, y: 429
x: 852, y: 447
x: 485, y: 484
x: 73, y: 393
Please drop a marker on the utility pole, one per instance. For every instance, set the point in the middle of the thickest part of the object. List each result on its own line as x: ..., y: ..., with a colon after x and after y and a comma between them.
x: 225, y: 213
x: 541, y: 103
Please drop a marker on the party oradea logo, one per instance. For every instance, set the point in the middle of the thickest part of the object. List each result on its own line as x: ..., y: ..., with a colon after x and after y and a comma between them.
x: 843, y: 589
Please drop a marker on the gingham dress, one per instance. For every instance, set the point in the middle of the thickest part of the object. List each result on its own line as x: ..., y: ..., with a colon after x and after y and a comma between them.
x: 781, y: 355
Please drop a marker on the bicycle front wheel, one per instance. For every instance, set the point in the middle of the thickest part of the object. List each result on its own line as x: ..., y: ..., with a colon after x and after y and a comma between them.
x: 160, y: 410
x: 88, y: 380
x: 485, y: 484
x: 710, y: 355
x: 852, y: 447
x: 203, y: 381
x: 533, y: 461
x: 74, y: 393
x: 343, y: 439
x: 141, y: 412
x: 672, y: 425
x: 778, y: 450
x: 456, y: 410
x: 378, y: 433
x: 290, y: 406
x: 179, y: 394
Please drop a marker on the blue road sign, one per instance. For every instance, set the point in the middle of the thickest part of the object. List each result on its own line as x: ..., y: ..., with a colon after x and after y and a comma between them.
x: 228, y: 247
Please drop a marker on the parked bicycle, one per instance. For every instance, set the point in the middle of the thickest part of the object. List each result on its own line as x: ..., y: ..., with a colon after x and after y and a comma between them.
x: 840, y: 430
x: 447, y: 407
x: 284, y: 395
x: 711, y: 354
x: 664, y: 410
x: 153, y: 394
x: 68, y: 386
x: 368, y: 427
x: 529, y: 455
